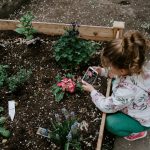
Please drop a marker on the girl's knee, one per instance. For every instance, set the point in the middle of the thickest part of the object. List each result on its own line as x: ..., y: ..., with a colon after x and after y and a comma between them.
x: 112, y: 123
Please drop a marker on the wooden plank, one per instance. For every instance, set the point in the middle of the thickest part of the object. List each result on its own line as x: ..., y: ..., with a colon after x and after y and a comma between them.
x: 98, y: 33
x: 8, y: 24
x: 102, y: 125
x: 101, y: 130
x: 86, y: 32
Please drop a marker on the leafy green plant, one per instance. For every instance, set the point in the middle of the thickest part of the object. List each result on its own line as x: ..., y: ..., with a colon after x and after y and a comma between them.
x: 3, y: 74
x: 66, y: 133
x: 65, y: 85
x: 16, y: 80
x: 71, y: 51
x: 25, y: 27
x: 5, y: 133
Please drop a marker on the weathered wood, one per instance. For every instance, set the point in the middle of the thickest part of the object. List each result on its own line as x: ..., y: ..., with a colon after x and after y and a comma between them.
x: 118, y: 26
x: 102, y: 125
x: 97, y: 33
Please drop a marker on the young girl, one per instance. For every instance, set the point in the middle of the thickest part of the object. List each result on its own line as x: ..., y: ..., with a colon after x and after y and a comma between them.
x: 129, y: 103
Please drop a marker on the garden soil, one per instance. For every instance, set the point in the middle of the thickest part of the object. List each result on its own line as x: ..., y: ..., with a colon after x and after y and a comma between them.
x: 36, y: 105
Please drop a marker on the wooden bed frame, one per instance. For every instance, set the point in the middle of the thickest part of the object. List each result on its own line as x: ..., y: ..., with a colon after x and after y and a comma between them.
x: 96, y: 33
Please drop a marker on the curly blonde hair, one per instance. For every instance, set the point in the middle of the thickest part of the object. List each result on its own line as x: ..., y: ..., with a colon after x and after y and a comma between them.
x: 127, y: 53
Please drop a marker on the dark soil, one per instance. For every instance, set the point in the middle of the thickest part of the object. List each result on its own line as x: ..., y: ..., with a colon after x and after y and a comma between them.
x: 36, y: 105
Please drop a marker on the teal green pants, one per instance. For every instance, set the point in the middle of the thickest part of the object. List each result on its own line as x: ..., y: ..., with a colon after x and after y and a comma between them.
x: 121, y: 124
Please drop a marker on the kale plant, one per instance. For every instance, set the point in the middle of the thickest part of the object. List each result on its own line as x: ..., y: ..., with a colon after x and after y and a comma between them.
x: 25, y: 27
x: 17, y: 80
x: 70, y: 51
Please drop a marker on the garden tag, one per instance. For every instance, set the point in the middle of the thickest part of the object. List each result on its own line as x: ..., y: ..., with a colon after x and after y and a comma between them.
x: 42, y: 132
x: 11, y: 109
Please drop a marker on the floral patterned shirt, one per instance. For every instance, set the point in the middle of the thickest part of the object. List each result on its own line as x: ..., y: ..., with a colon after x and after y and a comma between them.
x: 130, y: 94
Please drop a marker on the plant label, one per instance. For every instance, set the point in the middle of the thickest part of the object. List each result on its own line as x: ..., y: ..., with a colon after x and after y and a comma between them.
x: 42, y: 131
x: 11, y: 109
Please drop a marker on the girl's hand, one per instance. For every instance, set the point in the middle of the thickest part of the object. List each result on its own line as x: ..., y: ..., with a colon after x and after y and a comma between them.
x: 98, y: 69
x: 87, y: 87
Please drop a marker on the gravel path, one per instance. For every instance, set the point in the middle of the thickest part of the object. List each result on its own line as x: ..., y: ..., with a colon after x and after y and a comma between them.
x: 135, y: 14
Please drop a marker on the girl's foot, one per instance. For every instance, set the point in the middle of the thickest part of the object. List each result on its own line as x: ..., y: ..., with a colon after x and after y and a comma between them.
x: 136, y: 136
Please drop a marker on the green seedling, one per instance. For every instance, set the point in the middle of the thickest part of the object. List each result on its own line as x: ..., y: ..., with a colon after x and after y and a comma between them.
x: 2, y: 120
x: 5, y: 133
x: 25, y: 27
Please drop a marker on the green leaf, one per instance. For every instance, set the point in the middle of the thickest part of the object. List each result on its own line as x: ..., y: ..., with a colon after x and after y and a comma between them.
x: 57, y: 90
x: 57, y: 58
x: 69, y: 75
x: 66, y: 146
x: 29, y: 37
x: 59, y: 97
x: 34, y: 30
x: 20, y: 30
x: 4, y: 132
x: 58, y: 78
x: 2, y: 120
x: 1, y: 109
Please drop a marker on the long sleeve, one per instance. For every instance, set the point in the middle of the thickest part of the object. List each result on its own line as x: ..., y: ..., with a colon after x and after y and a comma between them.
x: 120, y: 99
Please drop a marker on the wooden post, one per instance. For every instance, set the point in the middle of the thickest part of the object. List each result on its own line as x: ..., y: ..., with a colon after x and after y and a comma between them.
x: 118, y: 33
x: 117, y: 25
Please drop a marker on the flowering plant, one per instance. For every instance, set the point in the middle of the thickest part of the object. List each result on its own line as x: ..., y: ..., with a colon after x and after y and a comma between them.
x: 64, y: 85
x: 67, y: 85
x: 66, y: 132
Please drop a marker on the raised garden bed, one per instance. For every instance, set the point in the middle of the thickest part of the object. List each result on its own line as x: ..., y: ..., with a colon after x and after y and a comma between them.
x: 36, y: 106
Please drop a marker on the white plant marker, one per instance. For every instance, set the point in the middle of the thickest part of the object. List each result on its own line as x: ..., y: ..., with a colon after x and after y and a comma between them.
x: 11, y: 109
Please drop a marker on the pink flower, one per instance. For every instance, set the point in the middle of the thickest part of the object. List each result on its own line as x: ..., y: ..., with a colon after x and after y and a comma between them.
x: 89, y: 73
x: 67, y: 85
x: 70, y: 86
x: 62, y: 85
x: 65, y: 80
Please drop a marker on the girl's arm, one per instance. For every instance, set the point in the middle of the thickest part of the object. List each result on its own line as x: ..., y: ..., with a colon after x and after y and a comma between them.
x: 120, y: 98
x: 117, y: 101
